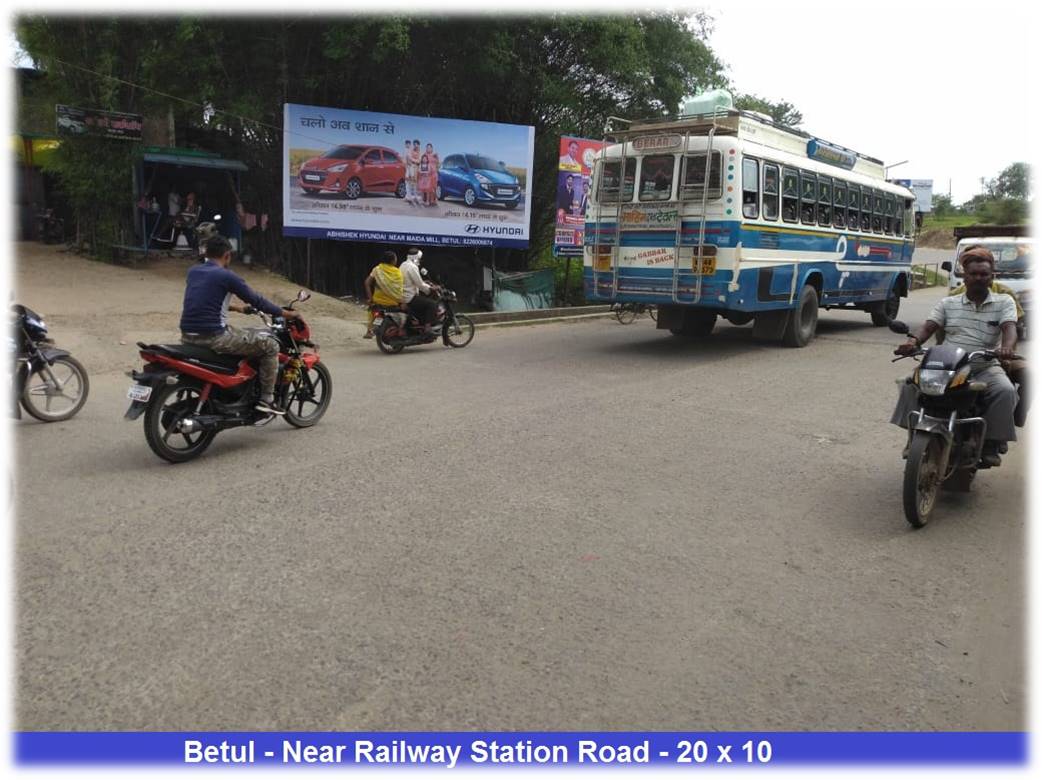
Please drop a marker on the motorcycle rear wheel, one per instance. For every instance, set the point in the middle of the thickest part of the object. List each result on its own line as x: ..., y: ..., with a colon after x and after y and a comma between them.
x: 458, y: 331
x: 310, y: 393
x: 923, y: 473
x: 381, y: 342
x: 39, y: 392
x: 168, y: 406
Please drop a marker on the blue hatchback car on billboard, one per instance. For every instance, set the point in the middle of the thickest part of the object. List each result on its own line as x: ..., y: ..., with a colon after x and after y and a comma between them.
x: 478, y: 179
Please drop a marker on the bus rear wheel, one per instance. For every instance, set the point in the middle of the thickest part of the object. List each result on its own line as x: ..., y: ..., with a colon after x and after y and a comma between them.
x: 886, y: 312
x: 803, y: 320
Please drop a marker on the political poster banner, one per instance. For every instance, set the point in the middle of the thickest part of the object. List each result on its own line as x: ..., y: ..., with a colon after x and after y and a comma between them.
x: 574, y: 171
x: 367, y: 176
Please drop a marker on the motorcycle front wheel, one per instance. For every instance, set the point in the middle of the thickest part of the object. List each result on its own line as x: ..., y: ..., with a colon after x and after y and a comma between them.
x: 168, y: 407
x: 56, y: 392
x: 923, y: 473
x: 308, y: 397
x: 458, y: 330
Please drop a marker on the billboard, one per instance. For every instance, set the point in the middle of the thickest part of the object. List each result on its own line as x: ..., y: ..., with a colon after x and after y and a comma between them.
x: 365, y: 176
x: 71, y: 121
x: 573, y: 190
x: 923, y: 189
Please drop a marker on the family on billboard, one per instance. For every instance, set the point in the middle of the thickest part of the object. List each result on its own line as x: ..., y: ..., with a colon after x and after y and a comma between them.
x: 447, y: 181
x: 575, y: 169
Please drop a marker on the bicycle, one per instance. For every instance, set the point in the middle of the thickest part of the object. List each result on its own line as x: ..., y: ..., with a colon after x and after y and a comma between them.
x: 626, y: 313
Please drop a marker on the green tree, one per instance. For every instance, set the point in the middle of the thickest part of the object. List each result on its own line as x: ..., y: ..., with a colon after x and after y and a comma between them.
x: 560, y: 74
x: 782, y: 112
x: 941, y: 205
x: 1014, y: 182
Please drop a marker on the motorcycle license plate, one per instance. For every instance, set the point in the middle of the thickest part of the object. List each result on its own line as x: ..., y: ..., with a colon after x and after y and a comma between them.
x: 378, y: 321
x: 139, y: 393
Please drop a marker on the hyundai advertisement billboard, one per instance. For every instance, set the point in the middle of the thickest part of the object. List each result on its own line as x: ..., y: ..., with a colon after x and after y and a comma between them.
x: 364, y: 176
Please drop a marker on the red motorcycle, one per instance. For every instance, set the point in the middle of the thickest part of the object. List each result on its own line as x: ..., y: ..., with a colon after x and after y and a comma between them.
x: 189, y: 393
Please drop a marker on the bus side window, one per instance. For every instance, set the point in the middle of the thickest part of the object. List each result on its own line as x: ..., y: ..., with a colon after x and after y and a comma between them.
x: 890, y: 225
x: 693, y: 176
x: 853, y: 199
x: 656, y: 177
x: 839, y: 209
x: 790, y: 202
x: 909, y: 215
x: 770, y: 191
x: 808, y: 197
x: 750, y: 188
x: 877, y: 211
x: 825, y: 201
x: 866, y: 210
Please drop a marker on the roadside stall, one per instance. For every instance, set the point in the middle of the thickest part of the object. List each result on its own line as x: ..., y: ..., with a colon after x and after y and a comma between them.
x: 177, y: 189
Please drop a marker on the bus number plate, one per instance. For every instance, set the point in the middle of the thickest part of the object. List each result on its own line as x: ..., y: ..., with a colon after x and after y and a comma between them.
x: 708, y: 266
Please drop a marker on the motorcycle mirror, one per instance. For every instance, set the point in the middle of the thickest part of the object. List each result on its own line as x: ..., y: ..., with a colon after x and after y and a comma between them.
x: 303, y: 295
x: 898, y: 327
x: 423, y: 271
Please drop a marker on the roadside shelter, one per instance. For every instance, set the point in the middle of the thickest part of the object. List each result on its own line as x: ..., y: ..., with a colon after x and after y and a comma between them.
x: 214, y: 180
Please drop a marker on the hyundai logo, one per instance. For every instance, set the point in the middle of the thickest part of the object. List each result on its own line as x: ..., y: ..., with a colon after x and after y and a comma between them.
x: 472, y: 228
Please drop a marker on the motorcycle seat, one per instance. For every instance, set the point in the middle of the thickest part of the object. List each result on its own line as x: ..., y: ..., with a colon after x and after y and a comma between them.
x: 202, y: 356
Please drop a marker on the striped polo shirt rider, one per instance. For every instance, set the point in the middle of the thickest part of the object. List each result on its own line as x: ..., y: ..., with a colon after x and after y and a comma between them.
x: 972, y: 326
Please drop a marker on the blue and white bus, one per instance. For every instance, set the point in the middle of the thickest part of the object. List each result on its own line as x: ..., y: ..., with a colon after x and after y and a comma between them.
x: 788, y: 223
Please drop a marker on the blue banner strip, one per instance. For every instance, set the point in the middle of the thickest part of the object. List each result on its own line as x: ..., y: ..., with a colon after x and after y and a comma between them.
x: 530, y: 749
x: 424, y: 239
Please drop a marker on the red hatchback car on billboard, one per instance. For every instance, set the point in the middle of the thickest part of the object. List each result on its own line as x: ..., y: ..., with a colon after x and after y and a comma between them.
x: 354, y: 170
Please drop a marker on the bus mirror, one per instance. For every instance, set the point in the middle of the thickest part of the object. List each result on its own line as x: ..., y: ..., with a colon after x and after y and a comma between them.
x: 946, y: 265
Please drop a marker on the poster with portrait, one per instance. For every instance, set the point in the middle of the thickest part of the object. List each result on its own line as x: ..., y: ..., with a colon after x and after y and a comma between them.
x: 574, y: 173
x: 365, y: 176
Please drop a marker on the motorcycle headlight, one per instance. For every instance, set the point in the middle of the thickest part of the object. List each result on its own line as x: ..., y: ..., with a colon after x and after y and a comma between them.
x: 339, y: 168
x: 934, y: 381
x: 960, y: 378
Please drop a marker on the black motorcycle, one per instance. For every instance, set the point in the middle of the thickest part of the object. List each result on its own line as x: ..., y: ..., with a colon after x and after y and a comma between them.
x: 49, y: 383
x: 946, y: 432
x: 395, y: 329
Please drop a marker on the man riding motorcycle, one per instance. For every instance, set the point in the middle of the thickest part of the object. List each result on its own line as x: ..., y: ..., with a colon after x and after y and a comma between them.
x: 1017, y: 370
x: 417, y: 290
x: 204, y: 318
x: 977, y: 319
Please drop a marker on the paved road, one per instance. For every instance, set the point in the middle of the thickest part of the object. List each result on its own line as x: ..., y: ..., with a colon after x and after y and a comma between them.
x: 578, y: 526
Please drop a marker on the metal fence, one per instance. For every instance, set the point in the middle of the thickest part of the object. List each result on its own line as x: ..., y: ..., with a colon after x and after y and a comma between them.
x: 927, y: 275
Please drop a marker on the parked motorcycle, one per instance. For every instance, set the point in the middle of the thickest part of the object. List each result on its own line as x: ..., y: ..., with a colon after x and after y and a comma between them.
x: 189, y: 393
x: 49, y: 383
x: 946, y: 433
x: 395, y: 329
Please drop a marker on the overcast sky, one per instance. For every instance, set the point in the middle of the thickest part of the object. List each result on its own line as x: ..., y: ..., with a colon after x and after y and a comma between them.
x: 943, y: 85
